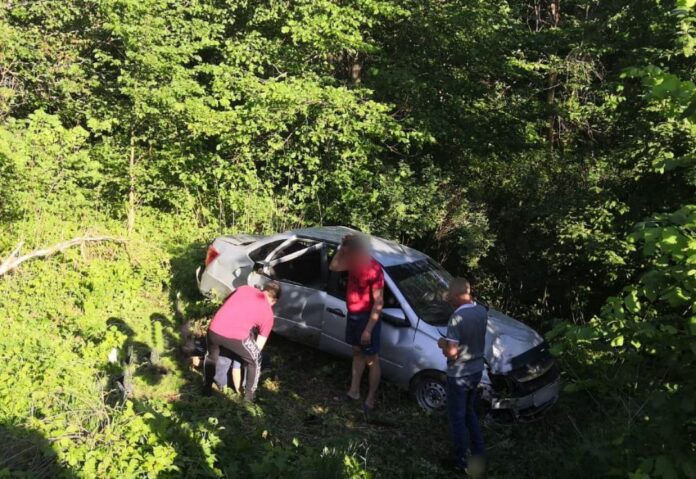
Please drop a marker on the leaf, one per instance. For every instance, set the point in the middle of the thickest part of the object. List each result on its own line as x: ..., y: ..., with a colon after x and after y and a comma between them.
x: 631, y: 301
x: 692, y: 325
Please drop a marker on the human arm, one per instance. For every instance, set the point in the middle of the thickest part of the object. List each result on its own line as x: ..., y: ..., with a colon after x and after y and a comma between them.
x: 449, y: 345
x: 338, y: 263
x: 340, y: 260
x: 265, y: 326
x: 261, y: 341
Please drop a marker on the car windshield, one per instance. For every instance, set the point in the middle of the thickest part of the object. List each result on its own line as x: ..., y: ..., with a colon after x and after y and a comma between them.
x: 424, y: 284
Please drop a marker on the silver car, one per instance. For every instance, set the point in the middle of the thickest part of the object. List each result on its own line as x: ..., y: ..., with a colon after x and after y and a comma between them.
x: 521, y: 378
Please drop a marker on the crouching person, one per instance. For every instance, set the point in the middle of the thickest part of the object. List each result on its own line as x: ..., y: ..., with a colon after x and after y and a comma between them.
x: 230, y: 333
x: 463, y: 347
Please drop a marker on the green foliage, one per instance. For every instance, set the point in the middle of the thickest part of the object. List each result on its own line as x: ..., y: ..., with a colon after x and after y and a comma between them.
x: 645, y: 334
x: 58, y: 382
x: 548, y: 153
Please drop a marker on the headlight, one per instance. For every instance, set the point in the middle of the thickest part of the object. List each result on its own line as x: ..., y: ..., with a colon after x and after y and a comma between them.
x: 533, y: 371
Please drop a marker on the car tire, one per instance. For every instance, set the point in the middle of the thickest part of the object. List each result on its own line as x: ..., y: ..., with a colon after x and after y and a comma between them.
x: 430, y: 391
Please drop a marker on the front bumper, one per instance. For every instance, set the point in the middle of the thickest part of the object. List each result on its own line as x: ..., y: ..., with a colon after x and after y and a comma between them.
x: 530, y: 388
x: 532, y: 403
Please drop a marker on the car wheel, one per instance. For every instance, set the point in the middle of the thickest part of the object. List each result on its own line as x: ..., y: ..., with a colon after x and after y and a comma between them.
x: 430, y: 392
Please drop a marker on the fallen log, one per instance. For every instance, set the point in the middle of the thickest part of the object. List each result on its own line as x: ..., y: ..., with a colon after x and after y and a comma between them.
x: 13, y: 261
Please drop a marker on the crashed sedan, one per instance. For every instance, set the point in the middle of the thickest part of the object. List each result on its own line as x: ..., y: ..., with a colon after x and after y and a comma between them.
x: 521, y: 378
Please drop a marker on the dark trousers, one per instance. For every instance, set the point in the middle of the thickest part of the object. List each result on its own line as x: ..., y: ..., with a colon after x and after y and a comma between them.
x: 466, y: 431
x: 243, y: 350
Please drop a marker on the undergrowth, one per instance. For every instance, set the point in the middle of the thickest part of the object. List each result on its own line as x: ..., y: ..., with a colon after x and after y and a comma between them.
x: 93, y: 385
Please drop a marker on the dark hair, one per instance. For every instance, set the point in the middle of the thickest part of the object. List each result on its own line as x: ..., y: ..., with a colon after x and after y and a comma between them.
x: 273, y: 288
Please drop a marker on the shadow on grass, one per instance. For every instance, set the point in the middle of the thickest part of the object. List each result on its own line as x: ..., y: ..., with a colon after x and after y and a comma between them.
x: 27, y: 453
x: 185, y: 259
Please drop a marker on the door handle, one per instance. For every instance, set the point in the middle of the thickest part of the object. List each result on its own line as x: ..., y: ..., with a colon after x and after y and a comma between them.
x: 336, y: 311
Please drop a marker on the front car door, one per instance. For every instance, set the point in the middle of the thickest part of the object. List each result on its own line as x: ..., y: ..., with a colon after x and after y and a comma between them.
x: 396, y: 337
x: 397, y: 333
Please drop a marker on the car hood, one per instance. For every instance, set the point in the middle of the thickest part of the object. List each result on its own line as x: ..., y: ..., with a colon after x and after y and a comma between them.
x: 506, y: 338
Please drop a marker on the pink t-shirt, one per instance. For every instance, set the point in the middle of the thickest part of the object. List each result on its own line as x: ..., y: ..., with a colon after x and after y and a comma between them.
x: 362, y: 279
x: 246, y: 309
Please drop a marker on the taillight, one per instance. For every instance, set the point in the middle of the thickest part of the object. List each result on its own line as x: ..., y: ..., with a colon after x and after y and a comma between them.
x: 211, y: 255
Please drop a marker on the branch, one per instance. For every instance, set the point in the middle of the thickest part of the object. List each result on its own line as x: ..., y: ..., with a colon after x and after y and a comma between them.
x: 14, y: 260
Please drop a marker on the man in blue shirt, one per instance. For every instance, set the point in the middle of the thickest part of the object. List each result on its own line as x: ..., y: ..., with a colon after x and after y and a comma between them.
x: 463, y: 347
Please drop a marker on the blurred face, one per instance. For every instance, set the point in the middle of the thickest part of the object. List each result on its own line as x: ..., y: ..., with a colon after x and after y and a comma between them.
x: 358, y: 256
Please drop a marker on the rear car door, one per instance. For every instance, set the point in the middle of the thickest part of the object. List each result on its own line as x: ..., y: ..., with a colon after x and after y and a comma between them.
x: 298, y: 265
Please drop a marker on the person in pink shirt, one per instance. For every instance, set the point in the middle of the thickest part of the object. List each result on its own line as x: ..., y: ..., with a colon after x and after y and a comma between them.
x: 230, y: 333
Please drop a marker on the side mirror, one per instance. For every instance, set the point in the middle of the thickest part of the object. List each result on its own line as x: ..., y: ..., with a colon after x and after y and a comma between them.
x: 395, y: 317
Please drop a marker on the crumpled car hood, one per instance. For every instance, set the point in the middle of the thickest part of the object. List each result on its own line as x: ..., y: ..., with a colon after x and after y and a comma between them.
x: 507, y: 338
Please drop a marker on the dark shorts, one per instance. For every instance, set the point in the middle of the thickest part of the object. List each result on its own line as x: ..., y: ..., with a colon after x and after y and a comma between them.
x: 355, y: 325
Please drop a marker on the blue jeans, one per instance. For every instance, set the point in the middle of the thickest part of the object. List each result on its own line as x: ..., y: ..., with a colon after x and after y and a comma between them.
x: 222, y: 367
x: 466, y: 431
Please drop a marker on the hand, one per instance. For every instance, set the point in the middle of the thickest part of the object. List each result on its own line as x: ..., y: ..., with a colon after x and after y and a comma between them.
x: 366, y: 338
x: 441, y: 343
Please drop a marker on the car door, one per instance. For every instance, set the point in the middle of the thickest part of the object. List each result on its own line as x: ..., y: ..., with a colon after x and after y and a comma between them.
x: 334, y: 316
x: 396, y: 331
x: 297, y: 265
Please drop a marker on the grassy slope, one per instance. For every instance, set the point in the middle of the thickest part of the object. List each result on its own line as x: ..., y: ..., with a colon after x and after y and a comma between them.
x: 61, y: 408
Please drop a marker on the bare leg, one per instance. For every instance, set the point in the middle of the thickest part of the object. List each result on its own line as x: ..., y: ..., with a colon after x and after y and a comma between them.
x: 237, y: 379
x: 357, y: 372
x: 374, y: 377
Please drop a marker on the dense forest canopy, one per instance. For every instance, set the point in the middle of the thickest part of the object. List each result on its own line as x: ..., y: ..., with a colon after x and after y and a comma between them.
x: 544, y: 148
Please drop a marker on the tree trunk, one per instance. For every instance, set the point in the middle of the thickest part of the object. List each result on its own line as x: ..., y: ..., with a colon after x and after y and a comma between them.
x: 132, y: 196
x: 555, y: 8
x: 13, y: 261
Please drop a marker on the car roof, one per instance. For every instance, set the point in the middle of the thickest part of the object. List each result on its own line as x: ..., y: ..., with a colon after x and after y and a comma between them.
x: 386, y: 252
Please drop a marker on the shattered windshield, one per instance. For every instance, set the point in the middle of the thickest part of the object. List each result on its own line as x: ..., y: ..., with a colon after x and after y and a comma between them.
x: 424, y: 284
